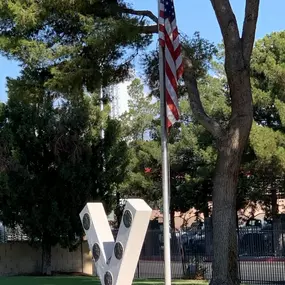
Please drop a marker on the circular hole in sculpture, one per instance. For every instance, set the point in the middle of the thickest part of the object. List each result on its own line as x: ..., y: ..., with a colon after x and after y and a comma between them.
x: 86, y: 222
x: 118, y: 250
x: 127, y: 218
x: 108, y: 278
x: 96, y: 251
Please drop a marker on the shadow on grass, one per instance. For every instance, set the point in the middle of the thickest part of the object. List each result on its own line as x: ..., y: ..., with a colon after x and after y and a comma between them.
x: 54, y: 280
x: 265, y: 282
x: 79, y: 280
x: 175, y: 282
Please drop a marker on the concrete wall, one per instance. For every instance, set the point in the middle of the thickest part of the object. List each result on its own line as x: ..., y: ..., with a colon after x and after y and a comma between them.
x: 20, y: 258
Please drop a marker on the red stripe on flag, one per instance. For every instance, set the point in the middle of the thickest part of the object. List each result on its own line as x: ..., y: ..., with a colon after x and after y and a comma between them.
x: 171, y: 77
x: 171, y: 105
x: 169, y: 39
x: 168, y: 123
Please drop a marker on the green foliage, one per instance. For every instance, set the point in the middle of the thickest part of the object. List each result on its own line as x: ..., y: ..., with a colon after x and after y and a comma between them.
x: 145, y: 154
x: 265, y: 157
x: 138, y: 120
x: 191, y: 152
x: 192, y: 162
x: 74, y: 41
x: 268, y: 80
x: 199, y: 50
x: 215, y: 98
x: 264, y: 154
x: 268, y: 72
x: 262, y: 166
x: 267, y: 144
x: 52, y: 157
x: 143, y: 179
x: 59, y: 160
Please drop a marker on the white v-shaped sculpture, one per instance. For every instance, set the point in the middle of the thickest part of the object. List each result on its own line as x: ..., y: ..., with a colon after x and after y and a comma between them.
x: 116, y: 261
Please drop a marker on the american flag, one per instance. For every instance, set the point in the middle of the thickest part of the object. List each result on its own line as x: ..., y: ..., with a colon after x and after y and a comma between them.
x: 169, y: 40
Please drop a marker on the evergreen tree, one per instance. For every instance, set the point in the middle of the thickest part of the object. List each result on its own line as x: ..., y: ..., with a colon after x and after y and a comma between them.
x: 57, y: 162
x: 192, y: 156
x: 267, y: 135
x: 141, y: 112
x: 74, y: 41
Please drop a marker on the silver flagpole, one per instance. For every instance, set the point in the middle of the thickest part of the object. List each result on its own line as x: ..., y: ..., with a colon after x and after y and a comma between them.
x: 165, y: 168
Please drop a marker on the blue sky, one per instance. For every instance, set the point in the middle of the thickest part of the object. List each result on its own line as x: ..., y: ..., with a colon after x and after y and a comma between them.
x: 192, y: 15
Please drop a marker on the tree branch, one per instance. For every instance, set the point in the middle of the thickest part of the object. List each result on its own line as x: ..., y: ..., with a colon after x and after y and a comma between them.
x: 145, y: 13
x: 196, y: 105
x: 249, y: 28
x: 153, y: 29
x: 227, y: 21
x: 229, y: 28
x: 237, y: 68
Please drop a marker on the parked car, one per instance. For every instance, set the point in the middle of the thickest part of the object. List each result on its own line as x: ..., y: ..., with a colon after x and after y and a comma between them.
x: 256, y: 238
x: 193, y: 239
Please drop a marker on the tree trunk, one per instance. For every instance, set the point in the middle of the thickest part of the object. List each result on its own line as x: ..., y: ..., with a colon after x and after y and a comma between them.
x: 209, y: 237
x: 276, y: 227
x: 205, y: 210
x: 175, y: 248
x: 172, y: 220
x: 230, y: 149
x: 46, y: 258
x: 230, y: 140
x: 278, y: 241
x: 225, y: 264
x: 274, y: 204
x: 118, y: 210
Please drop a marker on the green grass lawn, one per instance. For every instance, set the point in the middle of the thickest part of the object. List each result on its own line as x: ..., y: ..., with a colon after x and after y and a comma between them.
x: 72, y: 280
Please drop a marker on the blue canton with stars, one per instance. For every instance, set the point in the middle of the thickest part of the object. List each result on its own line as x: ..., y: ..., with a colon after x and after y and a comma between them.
x: 168, y: 9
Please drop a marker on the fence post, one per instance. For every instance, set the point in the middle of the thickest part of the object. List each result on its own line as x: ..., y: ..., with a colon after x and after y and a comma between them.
x: 209, y: 237
x: 138, y: 268
x: 82, y: 261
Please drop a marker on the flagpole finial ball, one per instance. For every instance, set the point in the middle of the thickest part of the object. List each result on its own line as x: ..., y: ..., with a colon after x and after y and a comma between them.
x: 96, y: 251
x: 86, y: 222
x: 127, y: 218
x: 118, y: 250
x: 108, y: 278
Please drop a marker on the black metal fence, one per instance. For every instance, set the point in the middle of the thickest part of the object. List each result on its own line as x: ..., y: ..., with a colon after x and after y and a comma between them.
x: 261, y: 255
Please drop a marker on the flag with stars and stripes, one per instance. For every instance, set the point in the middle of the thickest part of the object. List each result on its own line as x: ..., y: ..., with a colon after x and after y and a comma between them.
x: 169, y: 40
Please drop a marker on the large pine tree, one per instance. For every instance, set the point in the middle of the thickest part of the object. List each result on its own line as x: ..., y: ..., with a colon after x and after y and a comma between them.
x: 55, y: 161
